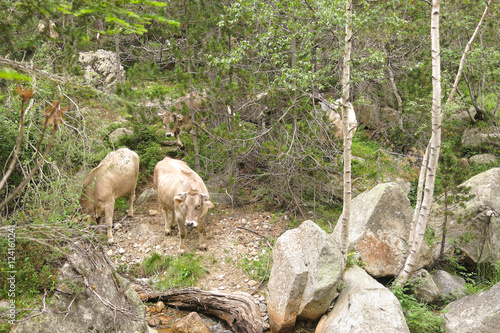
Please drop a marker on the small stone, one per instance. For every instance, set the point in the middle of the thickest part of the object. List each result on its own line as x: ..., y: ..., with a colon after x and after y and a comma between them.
x: 160, y: 306
x: 121, y: 250
x: 154, y: 322
x: 148, y: 250
x: 136, y: 245
x: 252, y: 283
x: 118, y: 226
x: 222, y: 276
x: 221, y: 288
x: 152, y: 212
x: 109, y: 253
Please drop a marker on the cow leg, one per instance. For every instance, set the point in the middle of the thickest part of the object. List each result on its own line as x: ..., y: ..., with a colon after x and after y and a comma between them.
x: 168, y: 222
x: 201, y: 238
x: 108, y: 220
x: 178, y: 140
x: 182, y: 236
x: 131, y: 199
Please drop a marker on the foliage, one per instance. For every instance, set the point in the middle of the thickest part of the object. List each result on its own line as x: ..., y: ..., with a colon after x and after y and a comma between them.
x: 36, y: 267
x: 145, y: 142
x: 184, y: 271
x: 420, y: 317
x: 259, y: 266
x: 156, y: 264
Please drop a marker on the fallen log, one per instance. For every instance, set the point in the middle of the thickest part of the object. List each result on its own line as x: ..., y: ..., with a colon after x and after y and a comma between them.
x: 238, y: 310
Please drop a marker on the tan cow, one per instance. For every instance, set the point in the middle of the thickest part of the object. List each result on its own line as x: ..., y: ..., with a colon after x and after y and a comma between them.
x: 182, y: 192
x: 115, y: 177
x: 175, y: 121
x: 334, y: 112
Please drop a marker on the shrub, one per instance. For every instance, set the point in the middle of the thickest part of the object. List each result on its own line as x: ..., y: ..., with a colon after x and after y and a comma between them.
x: 420, y: 317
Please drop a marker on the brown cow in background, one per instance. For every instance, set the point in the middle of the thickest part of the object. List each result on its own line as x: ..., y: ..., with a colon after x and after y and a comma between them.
x: 182, y: 192
x: 175, y: 121
x: 115, y: 177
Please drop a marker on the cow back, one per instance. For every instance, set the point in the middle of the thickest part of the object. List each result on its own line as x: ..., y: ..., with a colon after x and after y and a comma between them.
x: 115, y: 177
x: 173, y: 177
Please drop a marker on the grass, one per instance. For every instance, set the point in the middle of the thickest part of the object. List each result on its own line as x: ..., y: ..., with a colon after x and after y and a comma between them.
x: 258, y: 267
x: 183, y: 271
x: 420, y: 317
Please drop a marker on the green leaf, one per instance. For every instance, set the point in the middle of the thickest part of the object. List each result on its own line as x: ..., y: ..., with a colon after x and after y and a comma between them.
x: 9, y: 74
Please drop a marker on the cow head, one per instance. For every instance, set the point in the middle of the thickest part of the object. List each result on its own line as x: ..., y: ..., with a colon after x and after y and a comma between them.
x: 171, y: 120
x: 194, y: 205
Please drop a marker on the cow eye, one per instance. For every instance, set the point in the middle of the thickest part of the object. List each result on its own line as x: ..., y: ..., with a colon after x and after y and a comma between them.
x: 198, y: 207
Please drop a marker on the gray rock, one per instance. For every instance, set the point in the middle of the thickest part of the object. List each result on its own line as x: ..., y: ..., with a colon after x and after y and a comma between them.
x: 423, y: 286
x: 100, y: 68
x: 450, y: 286
x: 363, y: 306
x: 474, y: 227
x: 307, y: 269
x: 475, y: 313
x: 118, y: 133
x: 483, y: 159
x: 221, y: 198
x: 145, y: 196
x: 473, y: 138
x: 90, y: 297
x: 379, y: 230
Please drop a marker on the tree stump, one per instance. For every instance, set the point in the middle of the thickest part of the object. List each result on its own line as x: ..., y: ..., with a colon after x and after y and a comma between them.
x: 238, y: 310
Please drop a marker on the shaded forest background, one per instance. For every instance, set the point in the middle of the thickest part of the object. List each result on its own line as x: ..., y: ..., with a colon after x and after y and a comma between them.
x: 271, y: 63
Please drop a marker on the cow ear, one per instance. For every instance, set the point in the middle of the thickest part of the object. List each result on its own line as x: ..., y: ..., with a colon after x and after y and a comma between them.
x: 180, y: 198
x: 208, y: 202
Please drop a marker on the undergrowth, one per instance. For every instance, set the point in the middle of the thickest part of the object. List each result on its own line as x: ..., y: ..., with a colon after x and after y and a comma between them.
x: 420, y: 317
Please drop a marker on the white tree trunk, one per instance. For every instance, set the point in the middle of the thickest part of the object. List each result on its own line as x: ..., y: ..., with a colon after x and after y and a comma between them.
x: 429, y: 166
x: 467, y: 49
x: 346, y: 212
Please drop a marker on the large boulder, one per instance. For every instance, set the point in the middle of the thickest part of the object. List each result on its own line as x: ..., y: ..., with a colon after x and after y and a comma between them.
x: 307, y: 269
x: 473, y: 138
x: 100, y: 68
x: 90, y: 297
x: 474, y: 226
x: 423, y: 286
x: 118, y: 133
x: 483, y: 159
x: 450, y: 286
x: 363, y: 306
x: 379, y: 230
x: 475, y: 313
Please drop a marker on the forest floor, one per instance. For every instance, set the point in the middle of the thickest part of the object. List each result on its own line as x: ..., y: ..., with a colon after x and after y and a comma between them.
x: 232, y: 235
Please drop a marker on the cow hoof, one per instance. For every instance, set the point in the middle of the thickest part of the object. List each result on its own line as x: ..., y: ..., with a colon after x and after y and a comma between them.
x: 111, y: 241
x: 203, y: 247
x: 168, y: 232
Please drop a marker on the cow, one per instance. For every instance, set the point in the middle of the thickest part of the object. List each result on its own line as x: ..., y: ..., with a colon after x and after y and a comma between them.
x: 115, y: 177
x: 181, y: 192
x: 336, y: 118
x: 175, y: 121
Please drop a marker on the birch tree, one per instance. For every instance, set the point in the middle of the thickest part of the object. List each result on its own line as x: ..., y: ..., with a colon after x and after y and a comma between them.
x: 346, y: 210
x: 431, y: 157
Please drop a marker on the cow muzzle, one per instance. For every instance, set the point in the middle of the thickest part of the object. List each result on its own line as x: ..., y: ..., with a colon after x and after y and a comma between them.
x: 191, y: 223
x: 169, y: 134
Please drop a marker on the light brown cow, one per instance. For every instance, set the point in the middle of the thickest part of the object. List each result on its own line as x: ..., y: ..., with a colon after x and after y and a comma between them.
x: 175, y: 121
x: 334, y: 111
x: 182, y: 192
x: 115, y: 177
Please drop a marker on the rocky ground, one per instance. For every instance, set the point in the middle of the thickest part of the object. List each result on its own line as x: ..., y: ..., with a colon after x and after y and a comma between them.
x: 232, y: 235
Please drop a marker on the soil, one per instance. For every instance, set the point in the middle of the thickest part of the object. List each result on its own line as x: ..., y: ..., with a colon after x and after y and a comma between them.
x: 231, y: 236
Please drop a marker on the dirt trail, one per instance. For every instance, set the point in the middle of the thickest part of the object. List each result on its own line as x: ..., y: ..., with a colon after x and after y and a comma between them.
x: 231, y: 235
